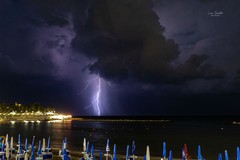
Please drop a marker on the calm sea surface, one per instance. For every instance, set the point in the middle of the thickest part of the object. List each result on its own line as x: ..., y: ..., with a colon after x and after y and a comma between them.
x: 214, y: 137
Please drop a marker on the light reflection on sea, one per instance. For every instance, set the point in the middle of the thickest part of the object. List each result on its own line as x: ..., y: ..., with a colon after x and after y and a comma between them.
x: 214, y: 137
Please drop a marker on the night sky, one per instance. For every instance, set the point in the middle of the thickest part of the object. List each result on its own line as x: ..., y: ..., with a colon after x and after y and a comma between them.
x: 160, y: 57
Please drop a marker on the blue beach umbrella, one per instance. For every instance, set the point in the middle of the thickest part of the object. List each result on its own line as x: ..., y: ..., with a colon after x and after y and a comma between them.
x: 164, y: 153
x: 226, y: 155
x: 170, y: 157
x: 20, y: 147
x: 100, y: 155
x: 19, y: 138
x: 33, y: 141
x: 199, y: 152
x: 133, y: 148
x: 63, y: 147
x: 238, y: 154
x: 39, y: 152
x: 183, y: 154
x: 92, y: 152
x: 145, y: 157
x: 32, y: 156
x: 219, y: 156
x: 65, y: 155
x: 26, y: 144
x: 49, y: 143
x: 115, y: 152
x: 107, y: 146
x: 127, y: 153
x: 65, y: 141
x: 88, y: 148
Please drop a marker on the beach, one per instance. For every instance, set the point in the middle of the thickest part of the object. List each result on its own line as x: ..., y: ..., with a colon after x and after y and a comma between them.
x: 213, y: 136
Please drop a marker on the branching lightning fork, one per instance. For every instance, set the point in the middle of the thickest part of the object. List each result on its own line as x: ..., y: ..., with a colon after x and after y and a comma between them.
x: 96, y: 98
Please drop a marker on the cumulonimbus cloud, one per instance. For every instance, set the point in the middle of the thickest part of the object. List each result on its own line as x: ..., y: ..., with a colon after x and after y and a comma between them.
x: 127, y: 41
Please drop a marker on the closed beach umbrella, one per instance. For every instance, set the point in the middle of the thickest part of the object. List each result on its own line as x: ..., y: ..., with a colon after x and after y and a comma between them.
x: 127, y: 153
x: 26, y: 144
x: 20, y: 147
x: 145, y: 157
x: 170, y: 157
x: 43, y: 145
x: 183, y: 154
x: 100, y: 156
x: 199, y: 152
x: 65, y: 142
x: 33, y: 139
x: 133, y: 148
x: 49, y: 142
x: 107, y: 146
x: 148, y: 153
x: 32, y: 155
x: 7, y: 151
x: 19, y: 138
x: 219, y: 156
x: 238, y: 154
x: 92, y: 151
x: 164, y: 154
x: 84, y: 145
x: 226, y: 155
x: 6, y: 139
x: 39, y: 148
x: 11, y: 143
x: 88, y: 148
x: 62, y: 152
x: 115, y: 152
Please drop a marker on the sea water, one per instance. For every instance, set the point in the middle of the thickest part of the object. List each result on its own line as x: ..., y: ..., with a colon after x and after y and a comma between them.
x: 213, y: 136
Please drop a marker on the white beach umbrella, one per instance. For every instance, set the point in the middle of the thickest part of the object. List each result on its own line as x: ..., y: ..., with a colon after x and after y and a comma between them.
x: 6, y: 139
x: 11, y: 143
x: 43, y: 145
x: 84, y: 145
x: 148, y: 153
x: 7, y: 151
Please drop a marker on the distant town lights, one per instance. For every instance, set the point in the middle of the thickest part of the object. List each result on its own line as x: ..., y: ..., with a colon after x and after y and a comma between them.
x: 61, y: 116
x: 50, y: 113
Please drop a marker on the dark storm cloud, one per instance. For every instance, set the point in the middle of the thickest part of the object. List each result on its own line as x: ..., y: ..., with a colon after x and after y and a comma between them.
x: 15, y: 43
x: 36, y: 37
x: 42, y: 12
x: 198, y: 33
x: 201, y: 33
x: 125, y: 38
x: 195, y: 68
x: 127, y: 41
x: 153, y: 52
x: 37, y: 63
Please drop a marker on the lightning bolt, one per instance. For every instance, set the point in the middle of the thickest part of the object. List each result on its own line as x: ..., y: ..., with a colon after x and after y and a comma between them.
x: 87, y: 83
x: 96, y: 98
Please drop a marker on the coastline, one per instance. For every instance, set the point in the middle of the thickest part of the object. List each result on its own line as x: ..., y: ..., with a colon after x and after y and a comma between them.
x: 26, y: 118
